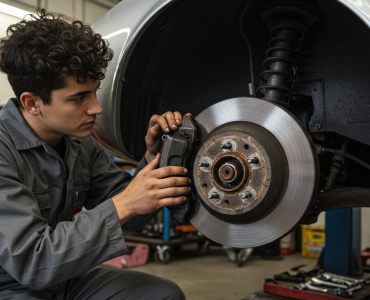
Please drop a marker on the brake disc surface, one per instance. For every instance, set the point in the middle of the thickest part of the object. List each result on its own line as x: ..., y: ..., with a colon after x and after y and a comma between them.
x: 254, y: 173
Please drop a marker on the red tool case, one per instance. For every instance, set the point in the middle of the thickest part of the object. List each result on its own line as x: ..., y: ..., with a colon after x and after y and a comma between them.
x: 288, y: 292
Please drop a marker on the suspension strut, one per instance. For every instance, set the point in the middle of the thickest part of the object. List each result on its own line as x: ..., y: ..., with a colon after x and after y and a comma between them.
x: 287, y: 25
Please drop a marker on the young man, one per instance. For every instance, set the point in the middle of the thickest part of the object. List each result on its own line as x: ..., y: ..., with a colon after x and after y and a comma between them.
x: 51, y: 166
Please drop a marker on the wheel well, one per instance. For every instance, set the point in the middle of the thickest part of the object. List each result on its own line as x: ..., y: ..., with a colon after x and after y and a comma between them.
x: 193, y: 55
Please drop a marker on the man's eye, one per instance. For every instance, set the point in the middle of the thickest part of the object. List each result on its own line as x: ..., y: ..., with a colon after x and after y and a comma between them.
x: 79, y: 99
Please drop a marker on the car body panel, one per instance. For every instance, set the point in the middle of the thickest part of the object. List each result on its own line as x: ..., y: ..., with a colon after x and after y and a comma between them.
x: 361, y: 8
x: 120, y: 26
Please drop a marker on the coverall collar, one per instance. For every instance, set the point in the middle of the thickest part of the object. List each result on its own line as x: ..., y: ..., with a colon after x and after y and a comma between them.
x: 20, y: 132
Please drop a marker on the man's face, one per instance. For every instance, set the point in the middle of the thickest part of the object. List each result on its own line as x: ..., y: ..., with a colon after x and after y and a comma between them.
x: 73, y: 109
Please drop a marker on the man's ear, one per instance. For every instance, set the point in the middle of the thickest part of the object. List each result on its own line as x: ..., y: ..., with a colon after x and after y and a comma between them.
x: 30, y: 103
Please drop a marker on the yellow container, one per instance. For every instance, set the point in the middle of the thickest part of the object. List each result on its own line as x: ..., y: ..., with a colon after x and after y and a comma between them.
x: 313, y: 240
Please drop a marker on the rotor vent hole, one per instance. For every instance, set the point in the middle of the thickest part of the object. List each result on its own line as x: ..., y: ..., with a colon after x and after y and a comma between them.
x: 227, y: 202
x: 204, y: 185
x: 246, y: 147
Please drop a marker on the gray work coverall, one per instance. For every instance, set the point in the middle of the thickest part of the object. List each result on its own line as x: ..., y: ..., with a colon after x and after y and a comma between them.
x: 48, y: 246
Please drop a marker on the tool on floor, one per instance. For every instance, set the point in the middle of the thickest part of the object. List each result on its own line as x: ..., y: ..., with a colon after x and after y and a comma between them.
x: 309, y: 272
x: 296, y: 269
x: 317, y: 281
x: 325, y: 286
x: 365, y: 281
x: 329, y: 278
x: 342, y: 293
x: 308, y: 286
x: 355, y: 288
x: 308, y: 291
x: 286, y: 276
x: 347, y: 293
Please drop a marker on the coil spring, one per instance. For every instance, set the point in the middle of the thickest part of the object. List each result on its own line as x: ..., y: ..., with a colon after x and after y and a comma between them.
x: 284, y: 47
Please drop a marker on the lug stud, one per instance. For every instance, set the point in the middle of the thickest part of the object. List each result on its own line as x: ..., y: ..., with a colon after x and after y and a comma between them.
x: 246, y: 195
x: 253, y: 160
x: 227, y: 145
x: 203, y: 164
x: 213, y: 195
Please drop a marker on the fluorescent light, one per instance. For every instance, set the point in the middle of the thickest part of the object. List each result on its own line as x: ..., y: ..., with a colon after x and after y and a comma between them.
x: 14, y: 11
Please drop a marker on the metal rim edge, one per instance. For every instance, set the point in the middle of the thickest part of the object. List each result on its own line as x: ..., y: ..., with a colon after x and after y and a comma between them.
x: 302, y: 173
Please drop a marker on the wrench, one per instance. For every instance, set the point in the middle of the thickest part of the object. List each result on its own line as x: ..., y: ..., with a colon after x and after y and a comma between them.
x: 344, y: 278
x: 355, y: 288
x: 340, y: 281
x: 336, y: 280
x: 308, y: 286
x: 327, y: 283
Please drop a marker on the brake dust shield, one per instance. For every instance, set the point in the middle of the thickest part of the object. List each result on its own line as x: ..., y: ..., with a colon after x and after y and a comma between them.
x: 254, y: 173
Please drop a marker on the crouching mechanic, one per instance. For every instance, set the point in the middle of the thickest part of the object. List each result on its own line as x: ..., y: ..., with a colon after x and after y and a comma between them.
x: 51, y: 166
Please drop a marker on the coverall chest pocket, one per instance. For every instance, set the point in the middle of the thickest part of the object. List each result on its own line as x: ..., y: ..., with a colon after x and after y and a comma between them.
x: 43, y: 199
x: 80, y: 192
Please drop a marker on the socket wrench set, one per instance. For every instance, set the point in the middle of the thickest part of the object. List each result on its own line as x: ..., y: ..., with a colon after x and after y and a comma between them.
x: 318, y: 286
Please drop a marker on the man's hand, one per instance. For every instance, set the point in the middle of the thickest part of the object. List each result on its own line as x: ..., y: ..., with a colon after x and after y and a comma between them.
x: 157, y: 126
x: 151, y: 190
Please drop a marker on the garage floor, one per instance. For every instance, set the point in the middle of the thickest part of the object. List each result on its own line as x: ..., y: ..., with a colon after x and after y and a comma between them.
x: 215, y: 277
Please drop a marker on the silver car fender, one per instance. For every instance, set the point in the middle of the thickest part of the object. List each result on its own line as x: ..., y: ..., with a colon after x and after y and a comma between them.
x: 121, y: 27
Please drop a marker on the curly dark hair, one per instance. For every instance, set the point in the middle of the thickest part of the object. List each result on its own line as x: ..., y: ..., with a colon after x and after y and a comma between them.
x: 38, y: 54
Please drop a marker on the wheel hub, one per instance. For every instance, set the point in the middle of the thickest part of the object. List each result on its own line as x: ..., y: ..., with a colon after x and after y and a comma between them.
x: 232, y: 180
x: 229, y: 172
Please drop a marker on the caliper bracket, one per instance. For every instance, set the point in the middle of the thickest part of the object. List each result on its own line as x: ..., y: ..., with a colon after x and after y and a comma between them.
x: 176, y: 150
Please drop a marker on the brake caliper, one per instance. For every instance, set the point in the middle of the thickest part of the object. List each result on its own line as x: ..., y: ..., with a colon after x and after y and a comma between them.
x: 177, y: 149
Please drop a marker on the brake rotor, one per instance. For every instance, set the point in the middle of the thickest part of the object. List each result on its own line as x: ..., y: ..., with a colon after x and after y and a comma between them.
x: 254, y: 173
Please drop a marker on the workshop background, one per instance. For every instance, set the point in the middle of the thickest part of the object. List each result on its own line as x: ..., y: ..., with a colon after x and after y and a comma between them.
x: 212, y: 276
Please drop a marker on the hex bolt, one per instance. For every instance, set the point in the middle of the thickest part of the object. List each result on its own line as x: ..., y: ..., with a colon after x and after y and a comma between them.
x: 203, y: 164
x: 213, y: 195
x: 246, y: 195
x: 227, y: 145
x: 253, y: 160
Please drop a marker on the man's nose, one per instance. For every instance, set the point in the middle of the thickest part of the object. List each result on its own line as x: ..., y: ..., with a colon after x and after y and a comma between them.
x: 95, y: 108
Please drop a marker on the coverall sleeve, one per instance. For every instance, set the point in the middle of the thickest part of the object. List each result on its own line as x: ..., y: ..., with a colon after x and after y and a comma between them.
x: 108, y: 180
x: 38, y: 256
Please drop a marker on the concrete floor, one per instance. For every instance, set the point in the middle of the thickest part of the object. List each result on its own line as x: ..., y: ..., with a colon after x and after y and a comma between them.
x: 214, y: 277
